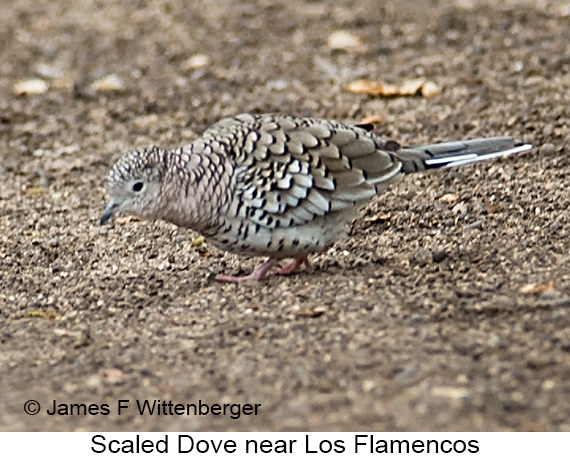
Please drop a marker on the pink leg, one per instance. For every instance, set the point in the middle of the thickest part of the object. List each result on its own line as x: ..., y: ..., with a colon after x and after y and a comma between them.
x: 294, y: 266
x: 257, y: 275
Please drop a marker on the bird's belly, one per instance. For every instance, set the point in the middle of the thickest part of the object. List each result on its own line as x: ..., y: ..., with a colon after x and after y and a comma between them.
x: 297, y: 241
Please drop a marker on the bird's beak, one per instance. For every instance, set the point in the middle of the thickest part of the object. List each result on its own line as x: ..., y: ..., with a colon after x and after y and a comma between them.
x: 110, y: 210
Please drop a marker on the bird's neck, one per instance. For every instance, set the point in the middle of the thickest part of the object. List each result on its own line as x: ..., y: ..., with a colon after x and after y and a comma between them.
x: 191, y: 190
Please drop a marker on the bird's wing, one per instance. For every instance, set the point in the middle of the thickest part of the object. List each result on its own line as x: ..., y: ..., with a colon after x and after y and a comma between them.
x: 289, y: 170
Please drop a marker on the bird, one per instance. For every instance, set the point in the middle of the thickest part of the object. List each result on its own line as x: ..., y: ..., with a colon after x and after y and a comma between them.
x: 275, y: 185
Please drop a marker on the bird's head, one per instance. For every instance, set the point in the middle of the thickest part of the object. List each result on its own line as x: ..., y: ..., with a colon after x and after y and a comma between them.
x: 135, y: 184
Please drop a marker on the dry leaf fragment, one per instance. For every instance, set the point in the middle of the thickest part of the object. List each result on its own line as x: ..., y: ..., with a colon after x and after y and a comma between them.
x: 313, y: 312
x: 112, y: 376
x: 345, y: 41
x: 430, y: 89
x: 411, y: 87
x: 377, y: 217
x: 448, y: 198
x: 109, y: 83
x: 408, y: 88
x: 124, y: 220
x: 364, y: 86
x: 40, y: 314
x: 33, y: 86
x: 371, y: 119
x: 535, y: 289
x: 196, y: 61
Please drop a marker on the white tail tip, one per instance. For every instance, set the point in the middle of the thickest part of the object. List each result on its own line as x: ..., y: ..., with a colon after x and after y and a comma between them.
x: 471, y: 158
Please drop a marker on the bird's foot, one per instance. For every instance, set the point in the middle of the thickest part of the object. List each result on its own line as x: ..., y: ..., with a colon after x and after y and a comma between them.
x: 257, y: 275
x: 293, y: 266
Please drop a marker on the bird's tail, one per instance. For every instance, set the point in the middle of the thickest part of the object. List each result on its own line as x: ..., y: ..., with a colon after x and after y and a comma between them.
x: 457, y: 153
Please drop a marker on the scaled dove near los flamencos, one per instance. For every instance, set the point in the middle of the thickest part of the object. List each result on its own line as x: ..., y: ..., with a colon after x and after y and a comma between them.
x: 276, y: 186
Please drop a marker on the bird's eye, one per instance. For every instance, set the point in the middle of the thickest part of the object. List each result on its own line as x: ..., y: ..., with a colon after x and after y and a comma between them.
x: 137, y: 187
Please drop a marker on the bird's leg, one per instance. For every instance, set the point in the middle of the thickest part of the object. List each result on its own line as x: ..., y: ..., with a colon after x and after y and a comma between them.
x: 294, y: 266
x: 257, y: 275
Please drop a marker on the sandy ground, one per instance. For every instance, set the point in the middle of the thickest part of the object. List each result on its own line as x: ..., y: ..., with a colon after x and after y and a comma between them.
x: 436, y: 313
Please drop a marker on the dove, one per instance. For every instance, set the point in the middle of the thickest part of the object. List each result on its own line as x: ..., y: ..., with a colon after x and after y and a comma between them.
x: 275, y: 185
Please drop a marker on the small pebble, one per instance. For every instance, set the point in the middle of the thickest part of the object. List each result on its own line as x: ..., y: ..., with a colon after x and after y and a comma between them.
x: 30, y: 87
x: 109, y: 83
x: 345, y: 41
x: 439, y: 256
x: 423, y: 257
x: 475, y: 225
